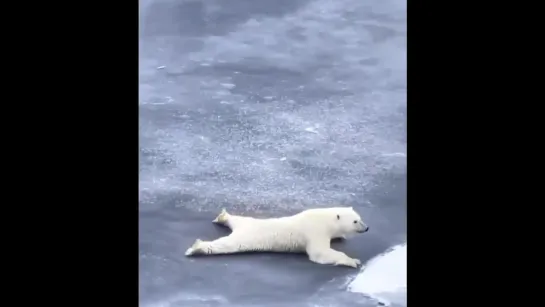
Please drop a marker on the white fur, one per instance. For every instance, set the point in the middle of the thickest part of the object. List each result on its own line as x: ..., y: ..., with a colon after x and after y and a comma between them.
x: 309, y: 231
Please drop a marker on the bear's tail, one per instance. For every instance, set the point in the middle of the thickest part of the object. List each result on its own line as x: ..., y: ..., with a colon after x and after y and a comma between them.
x: 194, y: 248
x: 222, y: 217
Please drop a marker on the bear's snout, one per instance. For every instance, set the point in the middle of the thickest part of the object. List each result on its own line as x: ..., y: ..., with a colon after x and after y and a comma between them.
x: 365, y: 229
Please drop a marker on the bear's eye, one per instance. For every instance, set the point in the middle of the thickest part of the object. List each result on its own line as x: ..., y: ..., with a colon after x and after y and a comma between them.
x: 355, y: 222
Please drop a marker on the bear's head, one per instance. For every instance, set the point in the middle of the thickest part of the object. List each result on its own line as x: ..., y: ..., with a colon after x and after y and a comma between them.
x: 348, y: 222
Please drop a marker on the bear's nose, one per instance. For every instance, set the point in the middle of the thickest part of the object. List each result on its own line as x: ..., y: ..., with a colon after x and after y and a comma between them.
x: 366, y: 229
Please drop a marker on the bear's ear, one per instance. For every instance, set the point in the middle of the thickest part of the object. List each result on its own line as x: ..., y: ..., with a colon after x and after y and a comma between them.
x: 338, y: 217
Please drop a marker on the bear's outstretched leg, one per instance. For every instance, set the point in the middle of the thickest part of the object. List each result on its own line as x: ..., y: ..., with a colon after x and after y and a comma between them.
x: 324, y: 254
x: 224, y: 245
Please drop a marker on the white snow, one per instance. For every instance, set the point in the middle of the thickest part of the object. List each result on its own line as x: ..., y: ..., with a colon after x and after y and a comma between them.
x: 384, y: 277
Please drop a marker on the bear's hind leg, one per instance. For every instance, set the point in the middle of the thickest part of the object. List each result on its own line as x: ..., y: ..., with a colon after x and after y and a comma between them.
x: 327, y: 255
x: 224, y: 245
x: 222, y: 218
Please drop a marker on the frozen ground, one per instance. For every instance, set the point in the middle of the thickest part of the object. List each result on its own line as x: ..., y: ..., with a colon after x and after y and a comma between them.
x: 266, y: 108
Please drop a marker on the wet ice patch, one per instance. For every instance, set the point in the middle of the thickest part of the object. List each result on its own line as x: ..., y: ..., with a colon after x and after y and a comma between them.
x: 190, y: 299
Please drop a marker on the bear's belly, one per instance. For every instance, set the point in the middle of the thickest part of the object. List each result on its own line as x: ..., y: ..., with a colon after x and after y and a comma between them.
x: 251, y: 240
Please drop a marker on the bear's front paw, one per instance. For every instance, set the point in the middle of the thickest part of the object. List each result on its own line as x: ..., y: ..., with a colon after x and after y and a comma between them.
x: 357, y: 261
x: 351, y: 262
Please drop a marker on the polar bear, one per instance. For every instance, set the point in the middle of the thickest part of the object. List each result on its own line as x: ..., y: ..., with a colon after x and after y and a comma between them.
x: 309, y: 231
